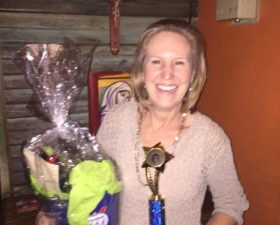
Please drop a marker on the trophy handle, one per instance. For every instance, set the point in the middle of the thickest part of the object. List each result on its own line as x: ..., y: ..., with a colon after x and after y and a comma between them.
x: 153, y: 180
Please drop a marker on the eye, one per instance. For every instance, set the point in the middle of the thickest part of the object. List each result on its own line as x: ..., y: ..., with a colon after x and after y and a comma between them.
x: 180, y: 62
x: 155, y: 61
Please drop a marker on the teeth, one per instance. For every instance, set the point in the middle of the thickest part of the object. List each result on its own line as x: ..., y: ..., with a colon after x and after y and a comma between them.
x: 167, y: 87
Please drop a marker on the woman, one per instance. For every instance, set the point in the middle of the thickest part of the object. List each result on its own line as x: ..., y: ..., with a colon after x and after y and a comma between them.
x: 167, y: 77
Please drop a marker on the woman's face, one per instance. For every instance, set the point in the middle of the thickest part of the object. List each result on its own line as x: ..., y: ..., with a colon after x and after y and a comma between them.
x: 167, y: 70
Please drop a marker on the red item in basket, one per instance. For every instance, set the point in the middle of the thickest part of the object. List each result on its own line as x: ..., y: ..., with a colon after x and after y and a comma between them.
x: 26, y: 205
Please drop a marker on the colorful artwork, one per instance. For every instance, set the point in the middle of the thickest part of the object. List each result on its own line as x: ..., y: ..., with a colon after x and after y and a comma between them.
x: 111, y: 92
x: 106, y: 90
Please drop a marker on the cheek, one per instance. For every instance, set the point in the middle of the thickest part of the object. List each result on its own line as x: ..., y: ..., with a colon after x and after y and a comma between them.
x: 184, y: 76
x: 149, y: 74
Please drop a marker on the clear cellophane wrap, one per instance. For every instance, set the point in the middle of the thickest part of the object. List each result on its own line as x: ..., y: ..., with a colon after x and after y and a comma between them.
x: 66, y: 168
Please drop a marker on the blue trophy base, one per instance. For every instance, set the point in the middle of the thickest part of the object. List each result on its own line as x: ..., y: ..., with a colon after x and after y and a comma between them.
x: 157, y: 215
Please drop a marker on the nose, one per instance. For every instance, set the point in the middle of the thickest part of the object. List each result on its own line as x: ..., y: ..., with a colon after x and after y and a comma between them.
x: 167, y: 71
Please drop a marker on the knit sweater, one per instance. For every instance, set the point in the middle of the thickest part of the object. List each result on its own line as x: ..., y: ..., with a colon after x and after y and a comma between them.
x: 203, y: 157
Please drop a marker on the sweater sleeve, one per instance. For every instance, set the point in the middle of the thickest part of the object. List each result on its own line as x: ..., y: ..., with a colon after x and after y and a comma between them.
x: 227, y: 193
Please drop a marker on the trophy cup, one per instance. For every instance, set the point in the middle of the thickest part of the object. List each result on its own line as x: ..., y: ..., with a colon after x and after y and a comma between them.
x: 154, y: 164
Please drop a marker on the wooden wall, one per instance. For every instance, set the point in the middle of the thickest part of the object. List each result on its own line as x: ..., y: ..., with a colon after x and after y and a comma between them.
x: 83, y: 23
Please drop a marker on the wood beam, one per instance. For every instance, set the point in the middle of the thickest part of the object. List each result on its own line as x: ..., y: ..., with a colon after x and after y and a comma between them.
x: 4, y: 166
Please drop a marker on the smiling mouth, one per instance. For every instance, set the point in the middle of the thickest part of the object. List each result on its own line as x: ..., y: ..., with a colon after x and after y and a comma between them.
x: 169, y: 88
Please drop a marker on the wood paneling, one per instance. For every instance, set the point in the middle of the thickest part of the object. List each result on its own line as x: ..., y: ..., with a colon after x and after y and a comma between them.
x: 144, y: 8
x: 31, y: 123
x: 4, y: 165
x: 30, y: 110
x: 24, y: 95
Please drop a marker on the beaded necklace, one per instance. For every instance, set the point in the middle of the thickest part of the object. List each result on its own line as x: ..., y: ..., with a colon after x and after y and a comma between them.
x: 137, y: 143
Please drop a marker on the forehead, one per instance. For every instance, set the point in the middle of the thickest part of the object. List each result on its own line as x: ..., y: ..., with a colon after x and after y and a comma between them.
x: 168, y: 41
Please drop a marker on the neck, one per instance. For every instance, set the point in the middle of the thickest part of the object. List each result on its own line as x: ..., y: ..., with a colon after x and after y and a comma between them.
x: 162, y: 119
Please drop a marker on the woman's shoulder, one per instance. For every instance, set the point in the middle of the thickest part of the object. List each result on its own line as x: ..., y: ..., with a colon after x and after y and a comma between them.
x: 121, y: 113
x: 212, y: 136
x: 208, y: 126
x: 118, y: 119
x: 123, y: 109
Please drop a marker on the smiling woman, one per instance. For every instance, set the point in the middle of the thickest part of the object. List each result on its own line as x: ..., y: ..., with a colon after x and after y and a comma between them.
x: 167, y: 76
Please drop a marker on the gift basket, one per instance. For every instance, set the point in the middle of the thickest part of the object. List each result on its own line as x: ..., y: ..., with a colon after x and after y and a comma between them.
x: 75, y: 183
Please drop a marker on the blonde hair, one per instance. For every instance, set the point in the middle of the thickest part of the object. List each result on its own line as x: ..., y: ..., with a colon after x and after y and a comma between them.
x: 197, y: 60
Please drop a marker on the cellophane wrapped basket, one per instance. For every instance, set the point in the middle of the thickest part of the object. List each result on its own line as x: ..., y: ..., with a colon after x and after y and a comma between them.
x: 75, y: 183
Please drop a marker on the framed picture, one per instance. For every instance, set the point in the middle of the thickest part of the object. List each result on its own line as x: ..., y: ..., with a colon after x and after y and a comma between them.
x: 106, y: 89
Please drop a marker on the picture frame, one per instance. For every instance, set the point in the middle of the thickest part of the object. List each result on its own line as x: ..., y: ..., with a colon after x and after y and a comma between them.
x: 106, y: 89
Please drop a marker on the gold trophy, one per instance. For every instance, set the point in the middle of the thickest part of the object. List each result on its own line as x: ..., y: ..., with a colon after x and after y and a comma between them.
x: 154, y: 164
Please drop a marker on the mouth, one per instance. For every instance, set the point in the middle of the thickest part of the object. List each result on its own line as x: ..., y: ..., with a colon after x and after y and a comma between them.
x: 167, y: 88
